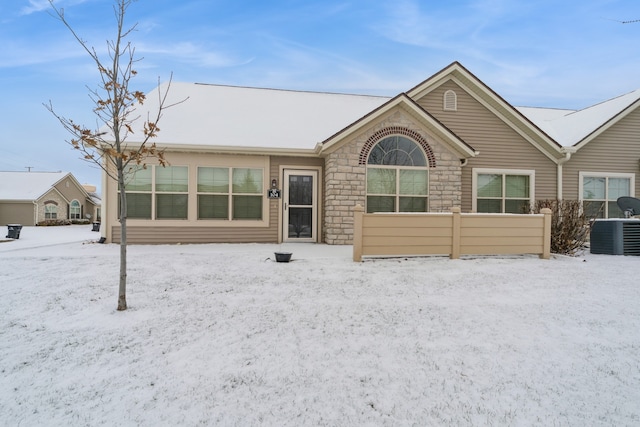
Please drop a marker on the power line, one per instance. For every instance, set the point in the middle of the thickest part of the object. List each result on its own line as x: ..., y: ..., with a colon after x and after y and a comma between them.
x: 623, y: 22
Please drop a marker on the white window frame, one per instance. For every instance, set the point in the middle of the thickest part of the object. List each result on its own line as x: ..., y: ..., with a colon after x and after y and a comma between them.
x: 230, y: 193
x: 154, y: 193
x: 193, y: 162
x: 50, y: 211
x: 607, y: 175
x: 397, y: 195
x: 71, y: 210
x: 398, y: 168
x: 531, y: 173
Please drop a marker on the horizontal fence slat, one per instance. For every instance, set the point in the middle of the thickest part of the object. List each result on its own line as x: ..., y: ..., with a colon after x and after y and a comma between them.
x: 501, y: 241
x: 418, y: 232
x: 406, y: 221
x: 451, y: 234
x: 474, y: 220
x: 500, y: 250
x: 398, y: 250
x: 498, y: 231
x: 404, y: 241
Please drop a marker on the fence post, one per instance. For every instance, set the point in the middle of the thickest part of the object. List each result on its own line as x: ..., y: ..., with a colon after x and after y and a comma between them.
x: 546, y: 251
x: 455, y: 232
x: 358, y: 213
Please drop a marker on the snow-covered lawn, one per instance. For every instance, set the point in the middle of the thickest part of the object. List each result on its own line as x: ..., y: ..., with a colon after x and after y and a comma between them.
x: 223, y: 335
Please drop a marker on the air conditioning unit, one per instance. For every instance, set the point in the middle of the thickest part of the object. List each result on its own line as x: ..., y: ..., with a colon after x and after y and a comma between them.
x: 615, y: 237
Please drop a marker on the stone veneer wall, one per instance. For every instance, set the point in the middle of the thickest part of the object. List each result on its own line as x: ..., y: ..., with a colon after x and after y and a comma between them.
x: 345, y: 179
x: 52, y: 196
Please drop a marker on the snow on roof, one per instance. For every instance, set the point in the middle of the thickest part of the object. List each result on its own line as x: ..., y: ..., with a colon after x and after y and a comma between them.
x: 27, y: 186
x: 537, y: 114
x: 569, y: 127
x: 235, y: 116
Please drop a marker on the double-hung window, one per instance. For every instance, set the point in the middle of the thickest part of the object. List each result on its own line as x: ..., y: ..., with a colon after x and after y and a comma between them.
x: 50, y: 211
x: 600, y: 191
x: 75, y: 210
x: 230, y: 193
x: 503, y: 191
x: 172, y: 192
x: 138, y: 189
x: 397, y: 177
x: 157, y: 190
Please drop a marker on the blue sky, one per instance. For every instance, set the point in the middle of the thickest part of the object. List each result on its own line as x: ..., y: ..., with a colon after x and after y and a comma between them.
x: 550, y: 53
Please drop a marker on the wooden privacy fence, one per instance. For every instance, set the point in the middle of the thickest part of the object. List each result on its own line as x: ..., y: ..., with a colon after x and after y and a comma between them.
x: 453, y: 234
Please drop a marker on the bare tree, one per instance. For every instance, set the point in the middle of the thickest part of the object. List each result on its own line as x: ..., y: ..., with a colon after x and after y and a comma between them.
x: 106, y: 145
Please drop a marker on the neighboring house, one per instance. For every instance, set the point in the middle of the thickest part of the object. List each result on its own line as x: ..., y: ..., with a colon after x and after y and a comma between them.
x: 29, y: 198
x: 264, y: 165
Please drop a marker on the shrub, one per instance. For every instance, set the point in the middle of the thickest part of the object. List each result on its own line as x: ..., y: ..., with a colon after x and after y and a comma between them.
x: 53, y: 222
x: 569, y: 225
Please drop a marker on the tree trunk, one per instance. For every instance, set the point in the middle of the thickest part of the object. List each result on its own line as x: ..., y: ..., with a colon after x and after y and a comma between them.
x: 122, y: 290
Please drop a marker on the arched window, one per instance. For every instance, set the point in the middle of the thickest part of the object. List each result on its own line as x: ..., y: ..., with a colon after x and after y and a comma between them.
x: 450, y: 101
x: 397, y: 176
x: 50, y: 210
x: 75, y: 211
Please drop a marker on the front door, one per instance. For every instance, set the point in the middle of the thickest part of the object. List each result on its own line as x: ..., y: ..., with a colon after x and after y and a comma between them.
x: 300, y: 217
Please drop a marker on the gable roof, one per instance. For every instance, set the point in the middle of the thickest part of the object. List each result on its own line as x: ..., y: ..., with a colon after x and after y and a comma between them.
x: 463, y: 149
x: 234, y: 118
x: 28, y: 186
x: 576, y: 128
x: 493, y: 102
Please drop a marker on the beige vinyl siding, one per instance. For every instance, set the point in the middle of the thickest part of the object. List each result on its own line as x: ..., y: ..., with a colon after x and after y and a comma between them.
x: 70, y: 191
x: 193, y: 230
x: 499, y: 145
x: 172, y: 234
x: 615, y: 150
x: 454, y: 234
x: 207, y: 231
x: 294, y: 163
x: 16, y: 213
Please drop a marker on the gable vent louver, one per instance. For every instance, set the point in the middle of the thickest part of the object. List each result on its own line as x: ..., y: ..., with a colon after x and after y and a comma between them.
x: 450, y: 101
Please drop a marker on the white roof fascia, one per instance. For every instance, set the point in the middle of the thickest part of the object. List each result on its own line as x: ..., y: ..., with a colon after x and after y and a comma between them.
x: 75, y: 181
x: 228, y: 149
x: 54, y: 189
x: 433, y: 82
x: 606, y: 125
x: 450, y: 73
x: 404, y: 101
x: 518, y: 117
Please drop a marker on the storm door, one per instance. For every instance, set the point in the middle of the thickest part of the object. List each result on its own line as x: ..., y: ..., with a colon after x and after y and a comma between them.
x: 300, y: 217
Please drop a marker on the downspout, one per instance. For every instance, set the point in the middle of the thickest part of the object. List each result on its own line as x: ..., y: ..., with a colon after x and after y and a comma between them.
x: 104, y: 217
x: 35, y: 212
x: 559, y: 179
x: 464, y: 161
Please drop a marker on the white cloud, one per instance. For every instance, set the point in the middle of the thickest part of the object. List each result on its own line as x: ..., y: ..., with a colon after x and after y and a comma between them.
x: 36, y: 6
x: 191, y: 53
